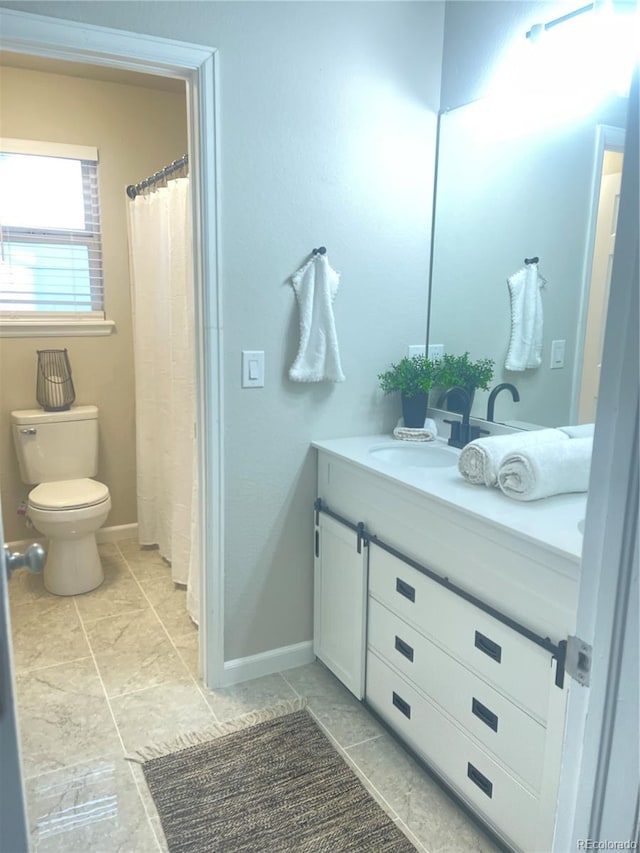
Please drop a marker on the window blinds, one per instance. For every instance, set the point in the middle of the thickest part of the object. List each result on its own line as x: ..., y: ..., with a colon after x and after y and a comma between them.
x: 50, y: 237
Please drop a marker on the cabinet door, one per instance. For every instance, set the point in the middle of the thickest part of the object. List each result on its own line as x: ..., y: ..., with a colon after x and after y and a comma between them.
x: 340, y: 586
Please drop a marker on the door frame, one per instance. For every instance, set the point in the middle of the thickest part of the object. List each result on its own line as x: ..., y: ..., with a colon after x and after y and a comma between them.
x: 592, y: 794
x: 13, y: 811
x: 56, y: 38
x: 607, y: 138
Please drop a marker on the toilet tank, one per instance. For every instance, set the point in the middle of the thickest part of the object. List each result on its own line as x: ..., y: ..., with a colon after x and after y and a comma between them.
x: 56, y: 445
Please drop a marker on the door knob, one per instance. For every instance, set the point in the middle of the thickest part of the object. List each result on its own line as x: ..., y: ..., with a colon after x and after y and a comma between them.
x: 33, y: 558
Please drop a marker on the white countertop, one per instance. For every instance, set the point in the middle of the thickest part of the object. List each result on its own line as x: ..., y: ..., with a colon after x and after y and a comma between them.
x: 552, y: 522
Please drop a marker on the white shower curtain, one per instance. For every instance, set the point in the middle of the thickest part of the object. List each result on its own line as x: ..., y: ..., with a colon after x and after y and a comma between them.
x: 160, y: 261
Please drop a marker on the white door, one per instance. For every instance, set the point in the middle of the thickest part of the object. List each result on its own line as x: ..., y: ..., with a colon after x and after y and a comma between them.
x: 13, y: 820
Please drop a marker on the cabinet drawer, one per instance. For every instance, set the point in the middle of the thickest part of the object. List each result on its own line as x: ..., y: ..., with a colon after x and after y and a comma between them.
x: 510, y: 662
x: 487, y: 787
x: 514, y: 737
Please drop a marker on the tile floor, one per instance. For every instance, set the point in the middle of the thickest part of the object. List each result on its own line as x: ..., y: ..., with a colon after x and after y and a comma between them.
x: 112, y: 670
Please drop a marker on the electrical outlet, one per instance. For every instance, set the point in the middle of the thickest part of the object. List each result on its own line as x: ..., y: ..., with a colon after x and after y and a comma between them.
x: 415, y: 349
x: 436, y: 351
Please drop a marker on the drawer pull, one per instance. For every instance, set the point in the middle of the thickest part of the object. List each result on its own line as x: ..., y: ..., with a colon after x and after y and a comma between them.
x: 401, y: 705
x: 406, y: 590
x: 493, y: 650
x: 479, y: 779
x: 483, y: 713
x: 404, y: 649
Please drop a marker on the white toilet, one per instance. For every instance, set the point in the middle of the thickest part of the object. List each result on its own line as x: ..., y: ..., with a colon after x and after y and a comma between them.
x: 59, y: 452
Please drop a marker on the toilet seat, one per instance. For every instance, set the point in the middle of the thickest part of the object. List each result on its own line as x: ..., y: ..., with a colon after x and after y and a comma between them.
x: 63, y: 495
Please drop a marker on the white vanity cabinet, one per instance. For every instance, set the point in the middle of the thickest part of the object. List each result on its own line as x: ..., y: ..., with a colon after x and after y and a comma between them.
x: 472, y: 690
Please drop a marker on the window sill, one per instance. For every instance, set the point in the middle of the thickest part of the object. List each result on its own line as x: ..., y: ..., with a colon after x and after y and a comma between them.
x: 54, y: 328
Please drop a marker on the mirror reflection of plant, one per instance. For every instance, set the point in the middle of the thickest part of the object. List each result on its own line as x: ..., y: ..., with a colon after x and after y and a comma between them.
x: 410, y: 376
x: 451, y: 370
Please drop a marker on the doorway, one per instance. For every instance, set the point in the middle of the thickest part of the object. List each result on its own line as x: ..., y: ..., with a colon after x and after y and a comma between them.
x: 603, y: 219
x: 50, y: 38
x: 605, y: 236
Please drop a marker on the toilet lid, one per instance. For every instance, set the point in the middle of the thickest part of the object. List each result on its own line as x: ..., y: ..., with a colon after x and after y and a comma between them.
x: 68, y: 494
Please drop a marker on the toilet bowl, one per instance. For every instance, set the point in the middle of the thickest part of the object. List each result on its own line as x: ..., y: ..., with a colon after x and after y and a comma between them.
x: 69, y: 513
x: 58, y: 454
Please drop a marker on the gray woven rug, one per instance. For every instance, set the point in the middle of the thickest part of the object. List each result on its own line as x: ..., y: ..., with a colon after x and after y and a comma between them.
x: 269, y: 787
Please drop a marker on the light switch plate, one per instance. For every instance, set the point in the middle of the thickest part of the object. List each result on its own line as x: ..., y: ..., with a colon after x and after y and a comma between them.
x: 252, y: 368
x: 557, y: 354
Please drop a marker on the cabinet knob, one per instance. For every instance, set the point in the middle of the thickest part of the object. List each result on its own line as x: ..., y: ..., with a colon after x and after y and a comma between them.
x: 488, y: 647
x: 401, y: 705
x: 479, y: 779
x: 405, y: 589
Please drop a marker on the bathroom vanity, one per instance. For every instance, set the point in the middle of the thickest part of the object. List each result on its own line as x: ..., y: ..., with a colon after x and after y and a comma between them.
x: 446, y: 607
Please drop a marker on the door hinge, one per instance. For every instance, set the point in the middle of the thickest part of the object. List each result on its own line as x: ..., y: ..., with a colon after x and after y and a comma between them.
x: 578, y: 660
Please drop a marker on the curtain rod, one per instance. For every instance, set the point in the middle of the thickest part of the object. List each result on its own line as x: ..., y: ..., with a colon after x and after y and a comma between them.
x: 135, y: 189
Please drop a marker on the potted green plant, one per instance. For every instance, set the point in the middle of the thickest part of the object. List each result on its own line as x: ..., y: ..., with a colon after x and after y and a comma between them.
x: 413, y: 378
x: 459, y: 371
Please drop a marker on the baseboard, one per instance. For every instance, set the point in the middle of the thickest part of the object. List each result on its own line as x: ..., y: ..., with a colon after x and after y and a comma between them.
x: 118, y: 531
x: 105, y: 534
x: 20, y: 544
x: 266, y: 663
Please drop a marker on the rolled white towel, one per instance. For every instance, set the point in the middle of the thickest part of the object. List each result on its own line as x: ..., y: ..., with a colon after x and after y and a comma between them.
x: 425, y: 433
x: 481, y: 458
x: 578, y: 430
x: 547, y: 469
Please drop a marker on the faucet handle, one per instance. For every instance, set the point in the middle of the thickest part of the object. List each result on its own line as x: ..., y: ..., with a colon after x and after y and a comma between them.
x: 454, y: 438
x: 476, y: 432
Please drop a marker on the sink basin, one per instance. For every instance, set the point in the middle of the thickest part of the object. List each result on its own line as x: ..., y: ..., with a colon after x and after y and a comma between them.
x: 414, y: 455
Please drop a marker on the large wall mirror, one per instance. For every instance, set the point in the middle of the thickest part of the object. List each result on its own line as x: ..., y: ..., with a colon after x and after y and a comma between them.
x: 514, y: 187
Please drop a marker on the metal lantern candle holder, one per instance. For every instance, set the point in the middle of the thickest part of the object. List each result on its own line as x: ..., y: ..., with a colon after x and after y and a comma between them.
x: 54, y: 385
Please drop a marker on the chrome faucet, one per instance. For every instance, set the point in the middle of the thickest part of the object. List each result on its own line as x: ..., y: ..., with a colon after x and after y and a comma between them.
x: 492, y: 397
x: 461, y: 431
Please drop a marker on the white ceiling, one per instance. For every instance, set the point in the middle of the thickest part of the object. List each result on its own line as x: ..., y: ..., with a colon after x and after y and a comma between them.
x: 90, y: 72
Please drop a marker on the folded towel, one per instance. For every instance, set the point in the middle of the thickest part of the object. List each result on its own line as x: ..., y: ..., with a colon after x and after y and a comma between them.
x: 525, y: 344
x: 315, y: 285
x: 481, y: 458
x: 579, y: 430
x: 546, y: 469
x: 426, y: 433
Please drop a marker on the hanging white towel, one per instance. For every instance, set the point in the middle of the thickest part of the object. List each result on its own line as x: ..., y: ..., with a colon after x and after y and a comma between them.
x: 315, y: 285
x: 525, y: 344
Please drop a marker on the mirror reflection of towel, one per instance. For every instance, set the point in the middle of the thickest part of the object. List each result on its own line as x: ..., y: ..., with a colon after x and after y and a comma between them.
x: 315, y: 285
x: 525, y: 344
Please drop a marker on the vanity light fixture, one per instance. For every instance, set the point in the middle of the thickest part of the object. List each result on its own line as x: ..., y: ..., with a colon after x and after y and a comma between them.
x: 609, y: 34
x: 538, y: 30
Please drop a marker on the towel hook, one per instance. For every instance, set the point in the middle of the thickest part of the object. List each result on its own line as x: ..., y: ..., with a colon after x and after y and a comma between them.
x: 531, y: 260
x: 321, y: 251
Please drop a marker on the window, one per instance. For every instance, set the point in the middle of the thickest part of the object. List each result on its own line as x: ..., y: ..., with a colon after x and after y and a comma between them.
x: 51, y: 279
